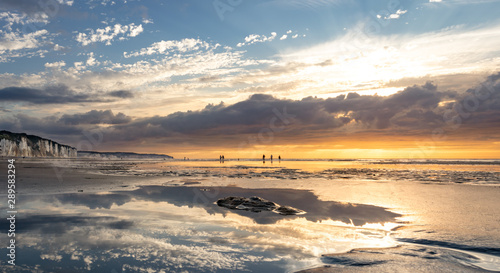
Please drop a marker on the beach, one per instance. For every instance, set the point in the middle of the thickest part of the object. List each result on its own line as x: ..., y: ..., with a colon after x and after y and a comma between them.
x: 226, y: 136
x: 162, y: 216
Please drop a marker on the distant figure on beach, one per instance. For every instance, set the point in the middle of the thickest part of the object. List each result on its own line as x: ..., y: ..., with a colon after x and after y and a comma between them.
x: 271, y: 158
x: 263, y: 158
x: 279, y: 158
x: 222, y: 158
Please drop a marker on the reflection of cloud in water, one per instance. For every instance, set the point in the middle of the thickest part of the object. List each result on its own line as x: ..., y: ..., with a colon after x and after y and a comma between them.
x: 59, y: 224
x: 110, y: 249
x: 93, y: 201
x: 180, y: 228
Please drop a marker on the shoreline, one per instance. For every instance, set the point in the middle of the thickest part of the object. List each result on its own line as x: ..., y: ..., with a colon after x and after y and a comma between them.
x: 434, y: 211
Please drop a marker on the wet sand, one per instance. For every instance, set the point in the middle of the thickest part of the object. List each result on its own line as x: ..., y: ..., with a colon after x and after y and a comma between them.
x: 433, y: 213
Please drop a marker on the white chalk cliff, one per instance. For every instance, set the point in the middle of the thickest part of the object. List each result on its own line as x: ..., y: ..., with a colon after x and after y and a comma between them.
x: 13, y: 144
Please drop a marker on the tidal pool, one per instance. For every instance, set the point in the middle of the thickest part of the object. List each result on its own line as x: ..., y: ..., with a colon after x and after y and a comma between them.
x: 178, y: 227
x: 181, y: 229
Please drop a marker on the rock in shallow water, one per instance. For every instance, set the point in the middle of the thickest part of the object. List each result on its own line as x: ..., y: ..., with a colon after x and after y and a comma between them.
x: 256, y: 204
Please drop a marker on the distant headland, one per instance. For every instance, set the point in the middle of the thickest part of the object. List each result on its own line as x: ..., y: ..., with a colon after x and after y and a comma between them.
x: 121, y: 155
x: 24, y: 145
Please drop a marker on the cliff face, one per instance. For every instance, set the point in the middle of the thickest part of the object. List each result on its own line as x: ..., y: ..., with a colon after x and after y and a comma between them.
x: 12, y: 144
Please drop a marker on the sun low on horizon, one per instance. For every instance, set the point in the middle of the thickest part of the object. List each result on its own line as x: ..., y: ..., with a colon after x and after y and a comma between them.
x: 298, y: 79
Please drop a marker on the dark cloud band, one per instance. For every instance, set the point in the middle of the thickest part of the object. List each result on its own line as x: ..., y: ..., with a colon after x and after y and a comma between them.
x: 58, y: 94
x: 415, y: 111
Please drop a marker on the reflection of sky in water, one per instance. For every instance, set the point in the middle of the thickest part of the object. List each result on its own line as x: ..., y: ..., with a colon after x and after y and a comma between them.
x: 181, y: 229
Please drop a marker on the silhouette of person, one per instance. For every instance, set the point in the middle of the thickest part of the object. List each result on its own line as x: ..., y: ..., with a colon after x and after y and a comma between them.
x: 263, y: 158
x: 279, y: 158
x: 271, y: 158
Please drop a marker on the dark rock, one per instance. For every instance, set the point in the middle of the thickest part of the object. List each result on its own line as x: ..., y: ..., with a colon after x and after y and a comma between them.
x: 287, y: 210
x: 256, y: 204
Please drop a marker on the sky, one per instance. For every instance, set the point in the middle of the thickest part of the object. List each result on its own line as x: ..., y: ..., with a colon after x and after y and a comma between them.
x: 298, y: 78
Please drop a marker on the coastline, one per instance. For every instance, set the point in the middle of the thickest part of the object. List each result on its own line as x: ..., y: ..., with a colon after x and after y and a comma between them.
x: 434, y: 211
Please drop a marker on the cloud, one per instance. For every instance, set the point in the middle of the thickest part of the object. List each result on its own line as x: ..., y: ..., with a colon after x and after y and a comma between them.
x: 45, y: 126
x: 12, y: 41
x: 352, y: 112
x: 66, y: 128
x: 309, y: 114
x: 95, y: 117
x: 256, y: 38
x: 55, y: 64
x: 50, y: 95
x: 91, y: 61
x: 33, y: 7
x: 191, y: 58
x: 16, y: 43
x: 13, y: 18
x: 395, y: 15
x: 374, y: 59
x: 108, y: 34
x: 56, y: 94
x: 79, y: 65
x: 135, y: 30
x: 124, y: 94
x: 167, y: 47
x: 58, y: 47
x: 416, y: 110
x: 283, y: 37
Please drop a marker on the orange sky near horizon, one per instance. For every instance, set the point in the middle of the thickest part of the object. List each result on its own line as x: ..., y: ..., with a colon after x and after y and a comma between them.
x: 417, y: 149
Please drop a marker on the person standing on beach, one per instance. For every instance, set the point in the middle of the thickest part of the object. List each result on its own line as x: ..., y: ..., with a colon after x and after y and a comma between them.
x: 263, y: 158
x: 271, y: 158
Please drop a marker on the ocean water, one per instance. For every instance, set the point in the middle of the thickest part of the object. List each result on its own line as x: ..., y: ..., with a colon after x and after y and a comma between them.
x: 452, y: 171
x: 361, y: 216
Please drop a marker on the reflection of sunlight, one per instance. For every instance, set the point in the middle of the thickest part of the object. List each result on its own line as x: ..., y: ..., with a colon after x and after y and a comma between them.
x: 316, y: 238
x: 379, y: 226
